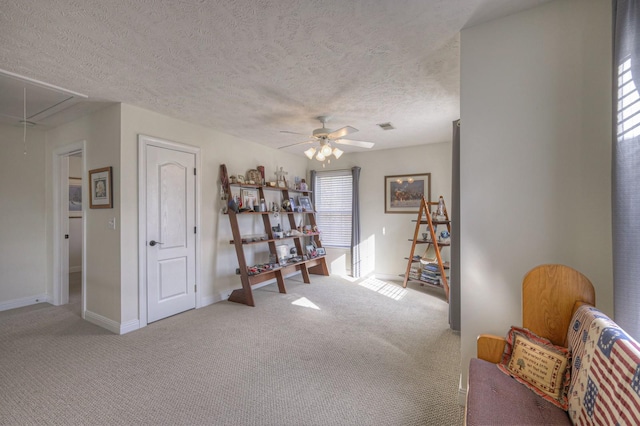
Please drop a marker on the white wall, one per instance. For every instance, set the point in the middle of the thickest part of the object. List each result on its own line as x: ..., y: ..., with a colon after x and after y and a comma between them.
x: 218, y: 257
x: 535, y: 157
x: 23, y: 259
x: 101, y: 131
x: 385, y: 236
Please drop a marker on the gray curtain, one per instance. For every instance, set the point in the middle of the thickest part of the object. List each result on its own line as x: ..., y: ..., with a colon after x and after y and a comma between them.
x: 312, y: 184
x: 355, y: 224
x: 626, y: 167
x: 454, y: 272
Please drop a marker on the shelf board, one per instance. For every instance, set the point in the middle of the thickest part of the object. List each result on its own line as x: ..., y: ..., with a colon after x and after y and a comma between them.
x: 425, y: 283
x: 269, y: 188
x: 434, y: 222
x: 279, y: 268
x: 430, y: 242
x: 277, y: 239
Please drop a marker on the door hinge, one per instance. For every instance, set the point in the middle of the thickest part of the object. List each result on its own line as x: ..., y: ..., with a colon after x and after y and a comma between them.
x: 195, y: 288
x: 194, y: 229
x: 194, y: 171
x: 66, y: 236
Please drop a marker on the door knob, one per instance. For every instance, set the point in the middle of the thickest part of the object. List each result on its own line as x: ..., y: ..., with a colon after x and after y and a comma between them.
x: 153, y: 243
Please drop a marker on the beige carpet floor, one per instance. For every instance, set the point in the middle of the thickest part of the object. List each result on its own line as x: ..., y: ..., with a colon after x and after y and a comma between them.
x: 327, y: 353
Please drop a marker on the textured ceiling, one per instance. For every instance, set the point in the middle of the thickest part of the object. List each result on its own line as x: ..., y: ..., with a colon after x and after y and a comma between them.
x: 252, y: 68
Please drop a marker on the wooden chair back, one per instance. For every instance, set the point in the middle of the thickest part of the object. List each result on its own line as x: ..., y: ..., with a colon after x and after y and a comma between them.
x: 550, y: 295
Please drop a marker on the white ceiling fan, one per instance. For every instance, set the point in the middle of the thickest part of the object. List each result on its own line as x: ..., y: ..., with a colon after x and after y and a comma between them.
x: 326, y: 137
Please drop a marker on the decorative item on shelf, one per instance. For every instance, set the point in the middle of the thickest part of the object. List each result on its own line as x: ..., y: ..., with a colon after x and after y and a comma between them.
x: 286, y: 205
x: 261, y: 170
x: 240, y: 179
x: 232, y: 179
x: 303, y: 185
x: 320, y: 251
x: 280, y: 177
x: 305, y: 203
x: 444, y: 237
x: 311, y: 250
x: 272, y: 184
x: 263, y: 205
x: 292, y: 204
x: 425, y: 236
x: 254, y: 177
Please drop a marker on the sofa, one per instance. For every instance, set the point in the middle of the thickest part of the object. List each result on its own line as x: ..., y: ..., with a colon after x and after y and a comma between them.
x: 602, y: 381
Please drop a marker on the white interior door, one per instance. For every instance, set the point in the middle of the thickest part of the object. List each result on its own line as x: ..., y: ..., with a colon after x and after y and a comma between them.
x: 170, y: 233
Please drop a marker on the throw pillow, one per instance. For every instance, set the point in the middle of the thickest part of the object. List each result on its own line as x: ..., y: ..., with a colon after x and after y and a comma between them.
x: 538, y: 364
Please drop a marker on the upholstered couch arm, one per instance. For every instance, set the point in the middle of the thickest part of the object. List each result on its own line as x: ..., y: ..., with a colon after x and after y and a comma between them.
x: 490, y: 347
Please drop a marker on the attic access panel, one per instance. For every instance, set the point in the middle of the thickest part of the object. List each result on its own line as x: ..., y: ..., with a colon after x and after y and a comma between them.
x: 43, y: 99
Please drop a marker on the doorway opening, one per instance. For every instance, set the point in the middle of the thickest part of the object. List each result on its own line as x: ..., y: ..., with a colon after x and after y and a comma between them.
x: 69, y: 226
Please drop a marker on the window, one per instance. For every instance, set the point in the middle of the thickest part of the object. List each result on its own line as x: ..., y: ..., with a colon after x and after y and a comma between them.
x: 332, y: 199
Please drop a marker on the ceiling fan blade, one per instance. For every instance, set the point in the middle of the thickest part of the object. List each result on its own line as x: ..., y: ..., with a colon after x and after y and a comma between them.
x: 293, y: 133
x: 294, y: 144
x: 337, y: 134
x: 359, y: 144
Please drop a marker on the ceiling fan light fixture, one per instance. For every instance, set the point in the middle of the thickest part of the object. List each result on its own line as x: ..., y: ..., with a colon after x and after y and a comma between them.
x: 326, y: 150
x: 337, y: 152
x: 320, y: 156
x: 309, y: 153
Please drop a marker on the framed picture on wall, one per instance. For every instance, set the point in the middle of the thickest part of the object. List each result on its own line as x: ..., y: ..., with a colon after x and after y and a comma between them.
x: 101, y: 188
x: 75, y: 197
x: 402, y: 193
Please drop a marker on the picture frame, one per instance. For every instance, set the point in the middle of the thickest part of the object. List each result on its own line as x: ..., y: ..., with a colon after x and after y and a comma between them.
x: 75, y: 197
x: 249, y: 198
x: 282, y: 184
x: 305, y: 203
x: 403, y: 193
x: 320, y: 251
x: 292, y: 203
x: 101, y: 188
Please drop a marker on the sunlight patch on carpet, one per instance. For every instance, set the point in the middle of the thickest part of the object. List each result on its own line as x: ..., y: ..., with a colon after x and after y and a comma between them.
x: 386, y: 289
x: 305, y: 303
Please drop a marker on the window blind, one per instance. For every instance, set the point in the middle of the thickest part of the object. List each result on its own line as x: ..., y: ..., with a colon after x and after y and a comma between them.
x: 333, y: 198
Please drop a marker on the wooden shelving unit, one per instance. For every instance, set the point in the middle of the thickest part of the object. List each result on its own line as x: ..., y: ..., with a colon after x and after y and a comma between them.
x: 425, y: 219
x: 316, y: 265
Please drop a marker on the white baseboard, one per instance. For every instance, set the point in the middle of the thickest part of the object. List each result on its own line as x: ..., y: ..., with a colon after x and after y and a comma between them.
x: 129, y: 326
x: 24, y: 301
x: 206, y: 301
x: 111, y: 325
x: 73, y: 269
x: 462, y: 396
x: 388, y: 277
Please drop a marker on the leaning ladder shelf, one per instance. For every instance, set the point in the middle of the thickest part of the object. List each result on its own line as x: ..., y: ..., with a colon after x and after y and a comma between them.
x: 424, y: 218
x: 316, y: 265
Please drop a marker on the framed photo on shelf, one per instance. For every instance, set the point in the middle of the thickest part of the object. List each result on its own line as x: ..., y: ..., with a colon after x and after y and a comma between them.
x: 320, y: 251
x: 403, y: 193
x: 292, y: 203
x: 249, y: 198
x: 75, y: 197
x: 100, y: 188
x: 305, y: 203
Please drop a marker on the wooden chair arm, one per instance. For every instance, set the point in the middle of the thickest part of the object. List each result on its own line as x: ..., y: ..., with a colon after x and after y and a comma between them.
x: 490, y: 347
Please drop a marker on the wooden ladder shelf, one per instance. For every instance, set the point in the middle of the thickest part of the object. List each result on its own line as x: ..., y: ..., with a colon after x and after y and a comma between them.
x: 425, y: 218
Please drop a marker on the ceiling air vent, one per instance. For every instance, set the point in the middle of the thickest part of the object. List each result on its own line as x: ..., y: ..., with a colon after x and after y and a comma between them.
x: 386, y: 126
